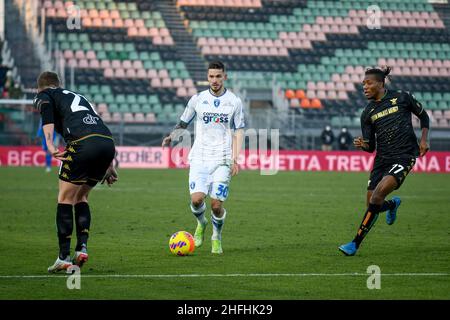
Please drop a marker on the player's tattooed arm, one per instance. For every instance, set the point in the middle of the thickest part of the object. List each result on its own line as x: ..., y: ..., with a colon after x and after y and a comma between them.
x: 175, y: 133
x: 48, y: 132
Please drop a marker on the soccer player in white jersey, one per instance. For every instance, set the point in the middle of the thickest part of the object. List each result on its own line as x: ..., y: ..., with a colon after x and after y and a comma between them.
x: 219, y: 118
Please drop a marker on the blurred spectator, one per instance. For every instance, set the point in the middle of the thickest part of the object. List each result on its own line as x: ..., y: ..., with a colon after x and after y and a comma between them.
x: 344, y: 139
x: 327, y: 137
x: 10, y: 89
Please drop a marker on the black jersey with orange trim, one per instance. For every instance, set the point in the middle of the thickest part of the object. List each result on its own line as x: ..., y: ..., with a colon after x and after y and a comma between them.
x: 70, y: 112
x: 387, y: 127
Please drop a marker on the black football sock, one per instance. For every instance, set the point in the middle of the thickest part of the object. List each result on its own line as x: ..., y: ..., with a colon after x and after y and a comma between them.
x: 83, y: 223
x: 64, y: 224
x: 387, y: 205
x: 368, y: 221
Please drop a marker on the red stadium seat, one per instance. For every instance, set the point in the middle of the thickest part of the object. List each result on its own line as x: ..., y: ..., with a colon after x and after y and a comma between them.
x: 305, y: 103
x: 289, y: 94
x: 118, y: 23
x: 315, y: 103
x: 300, y: 94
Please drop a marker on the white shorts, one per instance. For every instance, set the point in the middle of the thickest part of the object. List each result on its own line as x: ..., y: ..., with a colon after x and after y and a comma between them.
x: 210, y: 178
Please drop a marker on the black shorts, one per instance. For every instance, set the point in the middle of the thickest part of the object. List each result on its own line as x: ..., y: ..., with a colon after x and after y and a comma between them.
x: 88, y: 160
x: 398, y: 168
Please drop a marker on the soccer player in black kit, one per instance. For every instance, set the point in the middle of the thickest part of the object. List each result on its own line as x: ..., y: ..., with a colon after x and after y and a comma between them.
x: 86, y: 160
x: 386, y: 127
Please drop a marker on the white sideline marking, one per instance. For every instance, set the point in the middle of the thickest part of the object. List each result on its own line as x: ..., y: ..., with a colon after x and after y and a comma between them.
x: 218, y: 275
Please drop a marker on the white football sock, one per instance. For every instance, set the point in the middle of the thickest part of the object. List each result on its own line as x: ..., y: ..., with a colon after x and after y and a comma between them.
x: 199, y: 213
x: 218, y: 225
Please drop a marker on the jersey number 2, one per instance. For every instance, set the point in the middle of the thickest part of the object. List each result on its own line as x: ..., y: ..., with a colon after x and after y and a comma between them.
x: 75, y: 106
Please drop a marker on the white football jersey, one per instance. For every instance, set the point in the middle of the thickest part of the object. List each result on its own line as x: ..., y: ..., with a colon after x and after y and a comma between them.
x: 215, y: 118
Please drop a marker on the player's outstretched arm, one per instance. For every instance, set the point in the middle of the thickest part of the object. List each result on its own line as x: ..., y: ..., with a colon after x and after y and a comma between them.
x: 170, y: 137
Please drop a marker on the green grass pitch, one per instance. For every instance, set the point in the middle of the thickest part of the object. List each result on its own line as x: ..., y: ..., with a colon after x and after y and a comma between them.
x: 280, y: 239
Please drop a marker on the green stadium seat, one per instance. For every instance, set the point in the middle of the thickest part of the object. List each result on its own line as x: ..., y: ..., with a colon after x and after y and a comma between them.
x: 101, y: 55
x: 443, y: 105
x: 65, y: 45
x: 131, y: 99
x: 157, y: 108
x: 133, y: 55
x: 142, y: 99
x: 83, y: 37
x: 97, y: 98
x: 150, y: 23
x: 156, y: 15
x: 100, y: 5
x: 113, y: 107
x: 160, y: 24
x: 118, y: 47
x: 109, y: 99
x: 148, y: 64
x: 124, y: 108
x: 136, y: 108
x: 111, y: 6
x: 336, y: 122
x: 153, y: 100
x: 120, y: 98
x: 121, y: 6
x: 135, y: 15
x: 154, y: 56
x: 105, y: 89
x: 146, y: 108
x: 432, y: 105
x: 90, y: 5
x: 144, y: 56
x: 146, y: 15
x: 72, y: 37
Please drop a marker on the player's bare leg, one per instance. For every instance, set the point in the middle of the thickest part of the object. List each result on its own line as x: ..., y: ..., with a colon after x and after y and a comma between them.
x: 198, y: 208
x: 218, y: 215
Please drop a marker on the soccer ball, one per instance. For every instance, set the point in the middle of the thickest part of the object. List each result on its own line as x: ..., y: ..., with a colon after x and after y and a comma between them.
x: 181, y: 243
